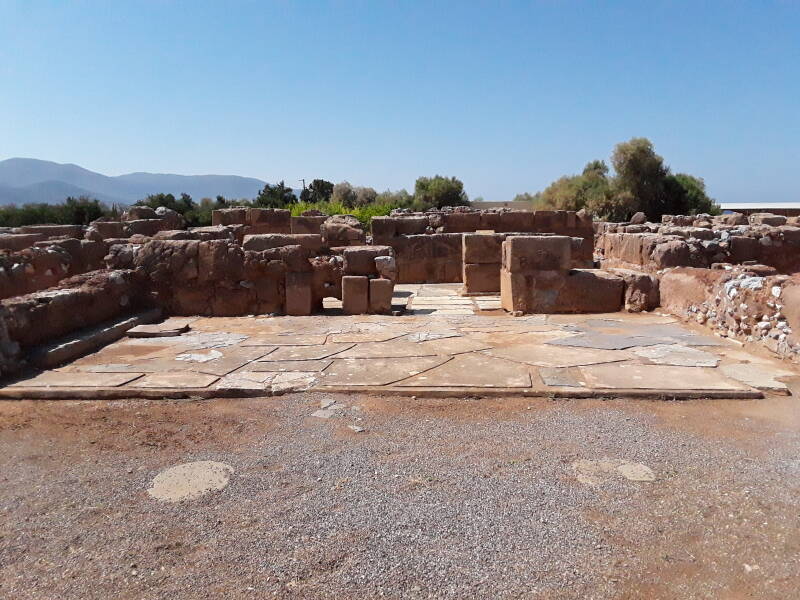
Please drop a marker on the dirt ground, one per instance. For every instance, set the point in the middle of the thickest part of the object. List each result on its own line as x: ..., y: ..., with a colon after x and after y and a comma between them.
x: 458, y: 498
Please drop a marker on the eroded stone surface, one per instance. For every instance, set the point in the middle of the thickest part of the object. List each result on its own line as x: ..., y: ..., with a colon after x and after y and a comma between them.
x: 761, y: 377
x: 677, y: 355
x: 657, y: 377
x: 91, y: 380
x: 371, y: 371
x: 190, y: 481
x: 473, y: 370
x: 595, y: 472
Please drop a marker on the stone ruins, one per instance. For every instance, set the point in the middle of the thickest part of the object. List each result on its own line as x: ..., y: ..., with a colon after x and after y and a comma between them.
x: 69, y: 290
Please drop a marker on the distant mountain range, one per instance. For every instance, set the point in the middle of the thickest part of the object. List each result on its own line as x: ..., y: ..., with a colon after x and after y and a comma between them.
x: 24, y: 180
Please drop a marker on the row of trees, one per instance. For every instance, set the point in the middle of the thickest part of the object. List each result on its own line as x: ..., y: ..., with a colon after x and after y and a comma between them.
x: 73, y: 211
x: 429, y: 192
x: 641, y: 182
x: 363, y: 202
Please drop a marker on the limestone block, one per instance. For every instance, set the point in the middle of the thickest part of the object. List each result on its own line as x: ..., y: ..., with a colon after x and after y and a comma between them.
x: 767, y: 219
x: 483, y: 248
x: 355, y: 294
x: 299, y: 294
x: 537, y: 253
x: 380, y: 296
x: 481, y: 277
x: 360, y: 260
x: 269, y: 220
x: 307, y: 224
x: 229, y: 216
x: 267, y: 241
x: 383, y: 229
x: 411, y: 225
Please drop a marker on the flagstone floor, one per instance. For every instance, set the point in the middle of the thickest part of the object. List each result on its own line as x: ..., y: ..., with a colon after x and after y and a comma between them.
x: 444, y: 342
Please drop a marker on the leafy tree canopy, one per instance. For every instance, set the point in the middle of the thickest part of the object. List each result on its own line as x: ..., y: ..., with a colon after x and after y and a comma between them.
x: 641, y: 182
x: 318, y: 191
x: 438, y: 191
x: 275, y: 196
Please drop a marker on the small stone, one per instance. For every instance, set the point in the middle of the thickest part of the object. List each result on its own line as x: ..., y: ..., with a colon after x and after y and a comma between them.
x: 356, y: 428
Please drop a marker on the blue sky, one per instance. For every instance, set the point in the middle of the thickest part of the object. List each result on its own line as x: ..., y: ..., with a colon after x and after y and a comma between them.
x: 507, y: 96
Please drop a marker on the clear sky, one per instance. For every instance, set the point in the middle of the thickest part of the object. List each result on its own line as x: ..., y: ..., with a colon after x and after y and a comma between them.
x: 506, y: 96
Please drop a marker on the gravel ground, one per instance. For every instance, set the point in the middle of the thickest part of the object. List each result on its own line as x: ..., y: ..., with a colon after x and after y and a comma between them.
x: 461, y: 498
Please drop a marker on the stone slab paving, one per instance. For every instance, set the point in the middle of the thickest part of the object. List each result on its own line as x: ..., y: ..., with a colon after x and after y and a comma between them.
x: 419, y: 353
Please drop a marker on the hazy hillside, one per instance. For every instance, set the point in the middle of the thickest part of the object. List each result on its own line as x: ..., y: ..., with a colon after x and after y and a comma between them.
x: 25, y: 180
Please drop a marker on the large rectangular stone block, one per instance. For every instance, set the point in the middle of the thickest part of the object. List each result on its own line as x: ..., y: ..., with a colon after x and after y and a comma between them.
x: 481, y: 248
x: 299, y: 294
x: 269, y: 220
x: 310, y: 225
x: 19, y: 241
x: 355, y: 294
x: 481, y: 278
x: 516, y: 220
x: 229, y: 216
x: 537, y: 253
x: 383, y: 229
x: 267, y: 241
x: 461, y: 222
x: 74, y: 231
x: 360, y: 260
x: 380, y: 296
x: 411, y: 225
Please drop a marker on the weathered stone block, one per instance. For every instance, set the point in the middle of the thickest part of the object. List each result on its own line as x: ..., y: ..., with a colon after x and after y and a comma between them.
x: 767, y: 219
x: 481, y: 278
x: 299, y: 294
x: 380, y: 296
x: 411, y: 225
x: 355, y: 294
x: 267, y: 241
x: 537, y: 253
x: 483, y: 248
x: 360, y: 260
x: 269, y: 220
x: 459, y: 222
x: 383, y: 229
x: 307, y: 224
x: 229, y: 216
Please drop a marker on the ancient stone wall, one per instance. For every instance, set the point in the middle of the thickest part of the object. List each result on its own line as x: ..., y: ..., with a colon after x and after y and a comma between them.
x: 268, y: 274
x: 753, y: 305
x: 701, y: 242
x: 428, y: 246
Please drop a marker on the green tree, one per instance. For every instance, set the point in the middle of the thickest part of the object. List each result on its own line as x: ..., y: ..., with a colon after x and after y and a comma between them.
x: 343, y: 193
x: 687, y: 195
x: 318, y: 191
x: 641, y: 177
x: 438, y: 191
x: 365, y: 196
x: 275, y: 196
x: 182, y: 205
x: 80, y: 211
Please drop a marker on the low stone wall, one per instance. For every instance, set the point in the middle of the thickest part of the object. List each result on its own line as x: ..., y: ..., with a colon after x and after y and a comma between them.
x: 46, y: 263
x: 80, y: 301
x: 428, y: 246
x: 684, y: 241
x: 223, y: 278
x: 751, y: 305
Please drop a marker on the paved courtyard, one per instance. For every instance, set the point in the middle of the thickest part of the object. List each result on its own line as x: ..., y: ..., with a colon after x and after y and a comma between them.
x: 445, y: 344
